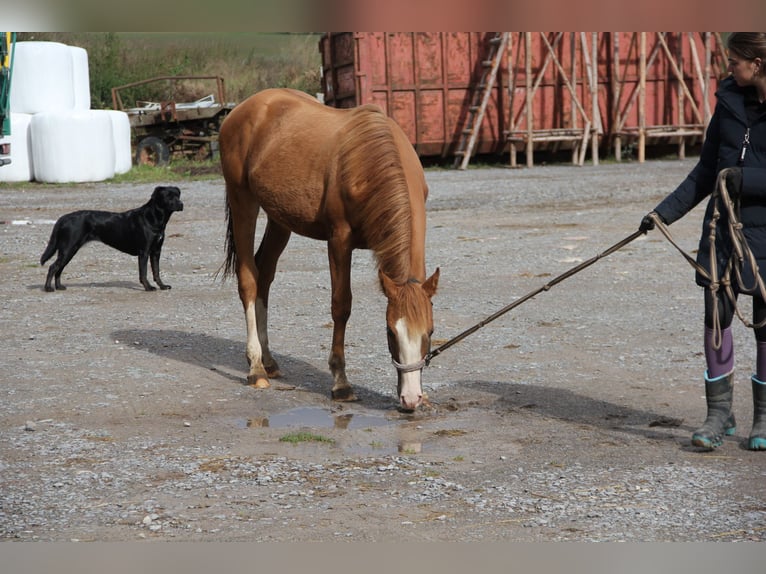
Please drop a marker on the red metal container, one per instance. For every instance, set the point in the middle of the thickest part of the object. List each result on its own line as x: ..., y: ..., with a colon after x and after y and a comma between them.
x: 422, y: 80
x: 546, y: 85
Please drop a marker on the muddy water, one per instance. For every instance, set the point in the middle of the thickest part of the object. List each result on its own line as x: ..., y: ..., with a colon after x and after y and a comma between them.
x: 315, y: 420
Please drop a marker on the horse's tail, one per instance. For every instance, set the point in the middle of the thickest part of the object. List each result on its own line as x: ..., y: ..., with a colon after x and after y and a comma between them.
x: 230, y: 262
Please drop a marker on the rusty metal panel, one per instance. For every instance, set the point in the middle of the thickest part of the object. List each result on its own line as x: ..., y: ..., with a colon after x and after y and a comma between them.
x: 422, y: 80
x: 663, y: 90
x: 425, y: 82
x: 553, y: 104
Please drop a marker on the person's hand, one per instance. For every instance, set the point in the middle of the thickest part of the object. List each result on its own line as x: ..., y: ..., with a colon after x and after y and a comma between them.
x: 733, y: 179
x: 647, y: 223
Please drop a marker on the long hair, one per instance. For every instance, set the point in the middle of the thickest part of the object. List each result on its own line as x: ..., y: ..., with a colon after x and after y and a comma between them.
x: 748, y: 45
x: 370, y: 165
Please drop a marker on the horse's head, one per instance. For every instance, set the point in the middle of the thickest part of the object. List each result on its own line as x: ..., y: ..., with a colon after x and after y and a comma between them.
x: 409, y: 324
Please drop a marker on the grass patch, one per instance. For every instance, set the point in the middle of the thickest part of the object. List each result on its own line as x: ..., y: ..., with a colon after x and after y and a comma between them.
x: 298, y: 437
x: 177, y: 170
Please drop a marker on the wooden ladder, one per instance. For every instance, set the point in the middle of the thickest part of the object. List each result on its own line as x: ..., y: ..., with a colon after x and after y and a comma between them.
x: 480, y: 98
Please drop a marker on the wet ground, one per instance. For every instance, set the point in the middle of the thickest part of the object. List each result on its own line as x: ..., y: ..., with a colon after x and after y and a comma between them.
x: 125, y: 414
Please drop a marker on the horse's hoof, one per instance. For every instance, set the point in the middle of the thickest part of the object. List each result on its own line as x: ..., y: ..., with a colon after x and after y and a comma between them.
x: 274, y: 373
x: 344, y: 395
x: 258, y: 381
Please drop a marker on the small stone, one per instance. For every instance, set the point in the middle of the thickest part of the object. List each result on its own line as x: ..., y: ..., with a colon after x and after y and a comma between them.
x: 187, y: 424
x: 30, y: 426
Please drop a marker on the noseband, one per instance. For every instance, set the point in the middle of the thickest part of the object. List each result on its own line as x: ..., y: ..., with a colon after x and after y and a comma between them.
x: 412, y: 366
x: 409, y: 368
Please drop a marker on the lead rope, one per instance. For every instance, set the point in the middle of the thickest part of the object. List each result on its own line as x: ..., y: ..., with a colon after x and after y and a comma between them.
x: 740, y: 249
x: 531, y: 294
x: 740, y: 252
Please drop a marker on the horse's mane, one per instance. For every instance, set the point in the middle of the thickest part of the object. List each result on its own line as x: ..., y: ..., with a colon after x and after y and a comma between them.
x: 370, y: 163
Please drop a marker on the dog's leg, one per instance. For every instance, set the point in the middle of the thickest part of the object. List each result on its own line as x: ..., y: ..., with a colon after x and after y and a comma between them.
x: 143, y: 259
x: 49, y: 278
x: 154, y: 260
x: 57, y: 267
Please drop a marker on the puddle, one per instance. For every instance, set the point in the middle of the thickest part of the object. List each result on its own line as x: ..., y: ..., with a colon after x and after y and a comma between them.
x: 315, y: 417
x: 319, y: 418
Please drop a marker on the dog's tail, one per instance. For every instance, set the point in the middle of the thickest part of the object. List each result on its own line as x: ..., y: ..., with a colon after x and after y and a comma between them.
x: 230, y: 263
x: 51, y: 248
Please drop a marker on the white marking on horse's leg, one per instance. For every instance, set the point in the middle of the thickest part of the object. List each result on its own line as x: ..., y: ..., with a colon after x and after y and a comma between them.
x: 410, y: 393
x: 254, y: 356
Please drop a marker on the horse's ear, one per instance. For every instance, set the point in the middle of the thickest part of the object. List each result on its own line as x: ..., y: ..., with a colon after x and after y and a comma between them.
x: 432, y: 283
x: 387, y: 284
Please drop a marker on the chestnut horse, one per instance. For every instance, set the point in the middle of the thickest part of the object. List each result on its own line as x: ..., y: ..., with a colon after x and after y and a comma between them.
x: 349, y: 177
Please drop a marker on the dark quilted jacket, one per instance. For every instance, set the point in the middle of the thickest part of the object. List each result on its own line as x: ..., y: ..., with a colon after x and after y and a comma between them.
x: 722, y: 148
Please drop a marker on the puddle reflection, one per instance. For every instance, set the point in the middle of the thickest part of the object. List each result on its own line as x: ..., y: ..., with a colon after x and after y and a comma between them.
x: 319, y: 418
x: 316, y: 417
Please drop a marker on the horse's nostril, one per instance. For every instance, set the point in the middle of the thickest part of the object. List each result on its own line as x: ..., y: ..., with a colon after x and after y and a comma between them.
x: 410, y: 405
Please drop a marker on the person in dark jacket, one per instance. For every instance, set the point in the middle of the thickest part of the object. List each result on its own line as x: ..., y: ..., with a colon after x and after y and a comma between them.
x: 735, y: 143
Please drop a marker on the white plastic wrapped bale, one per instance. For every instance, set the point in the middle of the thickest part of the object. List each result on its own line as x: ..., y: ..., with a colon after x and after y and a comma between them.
x: 43, y: 78
x: 20, y: 168
x: 72, y: 146
x: 123, y: 155
x: 80, y: 78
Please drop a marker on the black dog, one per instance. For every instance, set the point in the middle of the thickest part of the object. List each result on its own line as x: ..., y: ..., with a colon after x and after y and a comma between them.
x: 139, y: 232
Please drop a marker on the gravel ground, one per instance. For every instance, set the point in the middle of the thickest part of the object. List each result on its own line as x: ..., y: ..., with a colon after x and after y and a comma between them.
x: 124, y: 415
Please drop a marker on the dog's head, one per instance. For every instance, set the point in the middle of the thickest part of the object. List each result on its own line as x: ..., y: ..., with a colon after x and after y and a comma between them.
x: 168, y: 198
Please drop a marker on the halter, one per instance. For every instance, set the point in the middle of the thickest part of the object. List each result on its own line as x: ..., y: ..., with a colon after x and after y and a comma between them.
x: 409, y: 368
x: 418, y: 366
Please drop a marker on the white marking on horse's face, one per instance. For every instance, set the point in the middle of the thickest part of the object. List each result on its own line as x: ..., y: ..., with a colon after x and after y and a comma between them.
x: 410, y: 351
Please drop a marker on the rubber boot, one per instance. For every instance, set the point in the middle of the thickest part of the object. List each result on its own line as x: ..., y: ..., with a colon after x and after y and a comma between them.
x: 720, y: 420
x: 757, y: 440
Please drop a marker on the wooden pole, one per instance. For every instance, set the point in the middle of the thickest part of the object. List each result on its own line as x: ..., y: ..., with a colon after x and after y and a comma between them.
x: 530, y: 119
x: 706, y: 82
x: 680, y: 95
x: 595, y: 112
x: 573, y: 75
x: 617, y: 93
x: 642, y: 98
x: 511, y: 98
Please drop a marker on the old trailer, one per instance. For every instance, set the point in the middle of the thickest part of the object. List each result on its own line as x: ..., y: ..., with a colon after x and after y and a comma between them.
x: 170, y: 128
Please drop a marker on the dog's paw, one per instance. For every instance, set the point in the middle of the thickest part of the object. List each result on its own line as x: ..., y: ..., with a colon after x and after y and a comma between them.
x: 165, y: 287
